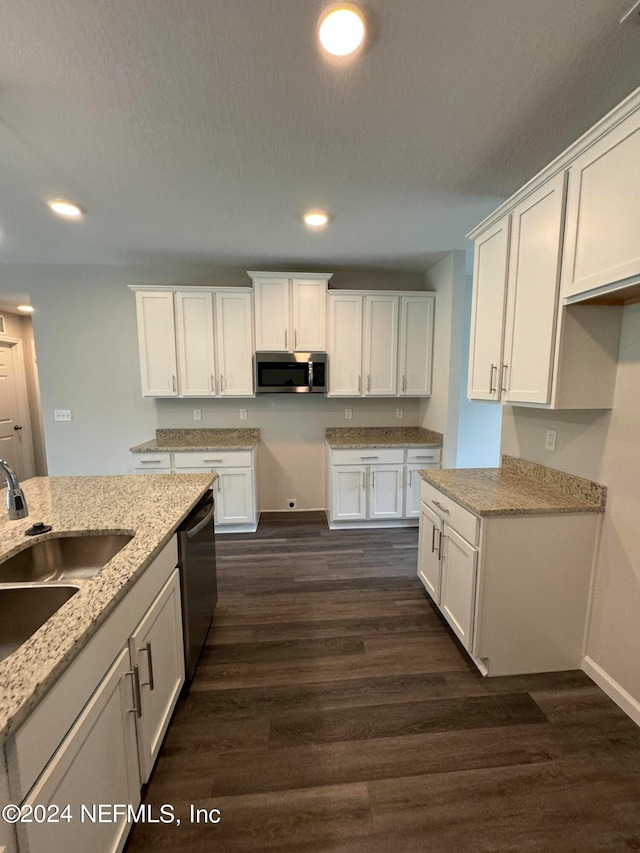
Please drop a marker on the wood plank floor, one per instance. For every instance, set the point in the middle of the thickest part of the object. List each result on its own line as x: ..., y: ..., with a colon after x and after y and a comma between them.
x: 333, y: 711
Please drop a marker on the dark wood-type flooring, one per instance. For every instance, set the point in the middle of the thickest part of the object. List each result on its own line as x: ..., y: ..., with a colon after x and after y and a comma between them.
x: 333, y: 711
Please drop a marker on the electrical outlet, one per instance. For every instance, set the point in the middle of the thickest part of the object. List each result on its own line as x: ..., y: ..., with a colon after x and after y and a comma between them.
x: 62, y: 415
x: 292, y: 503
x: 348, y: 414
x: 550, y: 439
x: 399, y: 414
x: 243, y: 414
x: 197, y: 414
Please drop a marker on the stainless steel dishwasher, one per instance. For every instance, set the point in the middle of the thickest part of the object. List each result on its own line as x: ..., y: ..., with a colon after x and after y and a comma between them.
x: 198, y: 582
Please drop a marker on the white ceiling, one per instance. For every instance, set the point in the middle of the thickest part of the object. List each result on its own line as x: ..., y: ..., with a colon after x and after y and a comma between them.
x: 202, y: 129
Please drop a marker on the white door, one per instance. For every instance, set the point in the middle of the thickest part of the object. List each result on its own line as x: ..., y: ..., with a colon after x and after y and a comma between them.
x: 380, y: 361
x: 234, y: 496
x: 386, y: 491
x: 235, y: 344
x: 415, y: 346
x: 194, y: 341
x: 97, y: 763
x: 157, y: 655
x: 349, y: 492
x: 309, y: 298
x: 603, y: 211
x: 272, y: 315
x: 156, y: 342
x: 458, y: 591
x: 15, y: 428
x: 488, y: 309
x: 532, y: 294
x: 412, y: 489
x: 429, y: 565
x: 345, y: 345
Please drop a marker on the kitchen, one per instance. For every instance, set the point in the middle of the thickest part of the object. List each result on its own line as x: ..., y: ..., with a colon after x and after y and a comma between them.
x: 85, y: 328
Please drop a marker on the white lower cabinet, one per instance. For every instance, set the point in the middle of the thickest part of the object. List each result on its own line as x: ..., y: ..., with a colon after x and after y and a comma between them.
x: 93, y: 739
x: 513, y: 588
x: 235, y: 498
x: 376, y: 485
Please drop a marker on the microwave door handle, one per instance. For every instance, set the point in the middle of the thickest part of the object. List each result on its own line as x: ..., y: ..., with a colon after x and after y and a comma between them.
x: 310, y: 375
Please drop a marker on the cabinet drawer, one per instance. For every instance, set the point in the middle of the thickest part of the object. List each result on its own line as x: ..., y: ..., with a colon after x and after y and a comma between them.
x: 151, y: 460
x: 213, y: 459
x: 368, y: 456
x: 428, y: 455
x: 460, y: 519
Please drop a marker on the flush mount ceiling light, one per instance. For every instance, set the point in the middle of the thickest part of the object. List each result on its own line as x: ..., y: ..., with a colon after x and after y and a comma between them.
x: 341, y: 30
x: 26, y: 309
x: 65, y: 208
x: 316, y: 218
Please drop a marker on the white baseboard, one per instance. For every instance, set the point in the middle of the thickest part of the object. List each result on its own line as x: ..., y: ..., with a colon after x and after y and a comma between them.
x: 614, y: 691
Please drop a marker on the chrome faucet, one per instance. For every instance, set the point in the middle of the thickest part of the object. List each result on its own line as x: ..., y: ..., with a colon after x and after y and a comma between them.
x: 16, y: 501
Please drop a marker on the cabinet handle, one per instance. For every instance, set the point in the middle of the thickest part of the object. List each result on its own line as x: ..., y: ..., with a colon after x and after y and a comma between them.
x: 137, y: 703
x: 410, y: 476
x: 218, y: 484
x: 373, y: 479
x: 151, y: 682
x: 503, y: 372
x: 369, y: 384
x: 369, y: 457
x: 491, y: 388
x: 440, y: 507
x: 441, y: 554
x: 359, y: 384
x: 433, y: 538
x: 173, y: 381
x: 430, y: 456
x: 221, y: 383
x: 363, y: 480
x: 285, y: 339
x: 150, y: 461
x: 404, y: 383
x: 211, y: 461
x: 212, y: 384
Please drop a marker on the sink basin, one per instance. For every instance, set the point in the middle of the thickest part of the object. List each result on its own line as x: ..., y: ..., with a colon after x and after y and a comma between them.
x: 62, y: 558
x: 24, y: 609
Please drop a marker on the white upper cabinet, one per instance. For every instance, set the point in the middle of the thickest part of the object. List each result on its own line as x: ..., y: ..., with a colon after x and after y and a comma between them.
x: 532, y: 295
x: 156, y: 341
x: 603, y: 211
x: 415, y: 346
x: 345, y: 344
x: 290, y: 311
x: 195, y: 344
x: 234, y: 337
x: 380, y: 362
x: 487, y: 313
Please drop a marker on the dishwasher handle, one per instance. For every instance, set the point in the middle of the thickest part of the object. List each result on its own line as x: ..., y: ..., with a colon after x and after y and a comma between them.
x: 201, y: 524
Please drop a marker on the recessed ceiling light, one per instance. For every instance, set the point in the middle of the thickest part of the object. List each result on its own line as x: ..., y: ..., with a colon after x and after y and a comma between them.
x: 341, y: 30
x: 316, y: 218
x: 26, y: 309
x: 65, y: 208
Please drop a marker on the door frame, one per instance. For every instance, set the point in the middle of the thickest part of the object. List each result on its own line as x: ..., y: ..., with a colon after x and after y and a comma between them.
x: 28, y: 459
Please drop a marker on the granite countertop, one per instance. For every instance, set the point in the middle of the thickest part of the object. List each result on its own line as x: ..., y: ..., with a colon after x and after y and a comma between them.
x: 149, y: 507
x: 517, y: 488
x: 356, y: 437
x: 209, y: 440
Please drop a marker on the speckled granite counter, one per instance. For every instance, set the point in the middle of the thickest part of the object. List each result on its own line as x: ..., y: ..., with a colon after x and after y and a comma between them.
x: 175, y: 440
x: 357, y: 437
x: 150, y: 507
x: 517, y: 488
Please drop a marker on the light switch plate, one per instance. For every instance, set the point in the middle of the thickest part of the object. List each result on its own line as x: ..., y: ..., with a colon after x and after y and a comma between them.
x: 550, y: 439
x: 348, y: 414
x: 399, y: 413
x: 243, y: 414
x: 197, y: 414
x: 62, y: 415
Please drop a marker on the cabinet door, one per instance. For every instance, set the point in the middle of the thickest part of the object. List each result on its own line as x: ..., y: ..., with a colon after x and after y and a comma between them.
x: 412, y: 482
x: 194, y: 339
x: 458, y: 591
x: 345, y: 345
x: 96, y: 763
x: 272, y: 314
x: 532, y: 295
x: 349, y: 492
x: 380, y: 361
x: 157, y: 654
x: 234, y: 496
x: 487, y: 312
x: 234, y: 339
x: 309, y: 297
x: 386, y: 491
x: 415, y: 346
x: 429, y: 565
x: 603, y: 211
x: 157, y: 345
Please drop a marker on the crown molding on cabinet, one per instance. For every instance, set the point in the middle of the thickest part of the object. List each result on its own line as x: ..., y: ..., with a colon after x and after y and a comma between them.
x: 187, y: 288
x: 324, y: 276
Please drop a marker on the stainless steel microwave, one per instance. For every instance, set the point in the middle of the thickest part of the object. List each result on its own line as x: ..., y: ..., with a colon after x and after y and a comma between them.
x: 291, y: 373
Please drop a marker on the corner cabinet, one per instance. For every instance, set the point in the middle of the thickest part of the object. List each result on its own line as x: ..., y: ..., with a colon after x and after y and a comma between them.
x: 515, y: 588
x: 290, y: 311
x: 377, y: 486
x: 195, y: 342
x: 380, y: 343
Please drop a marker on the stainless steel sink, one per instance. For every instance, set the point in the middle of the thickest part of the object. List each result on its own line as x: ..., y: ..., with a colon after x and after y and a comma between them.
x: 62, y: 558
x: 24, y: 609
